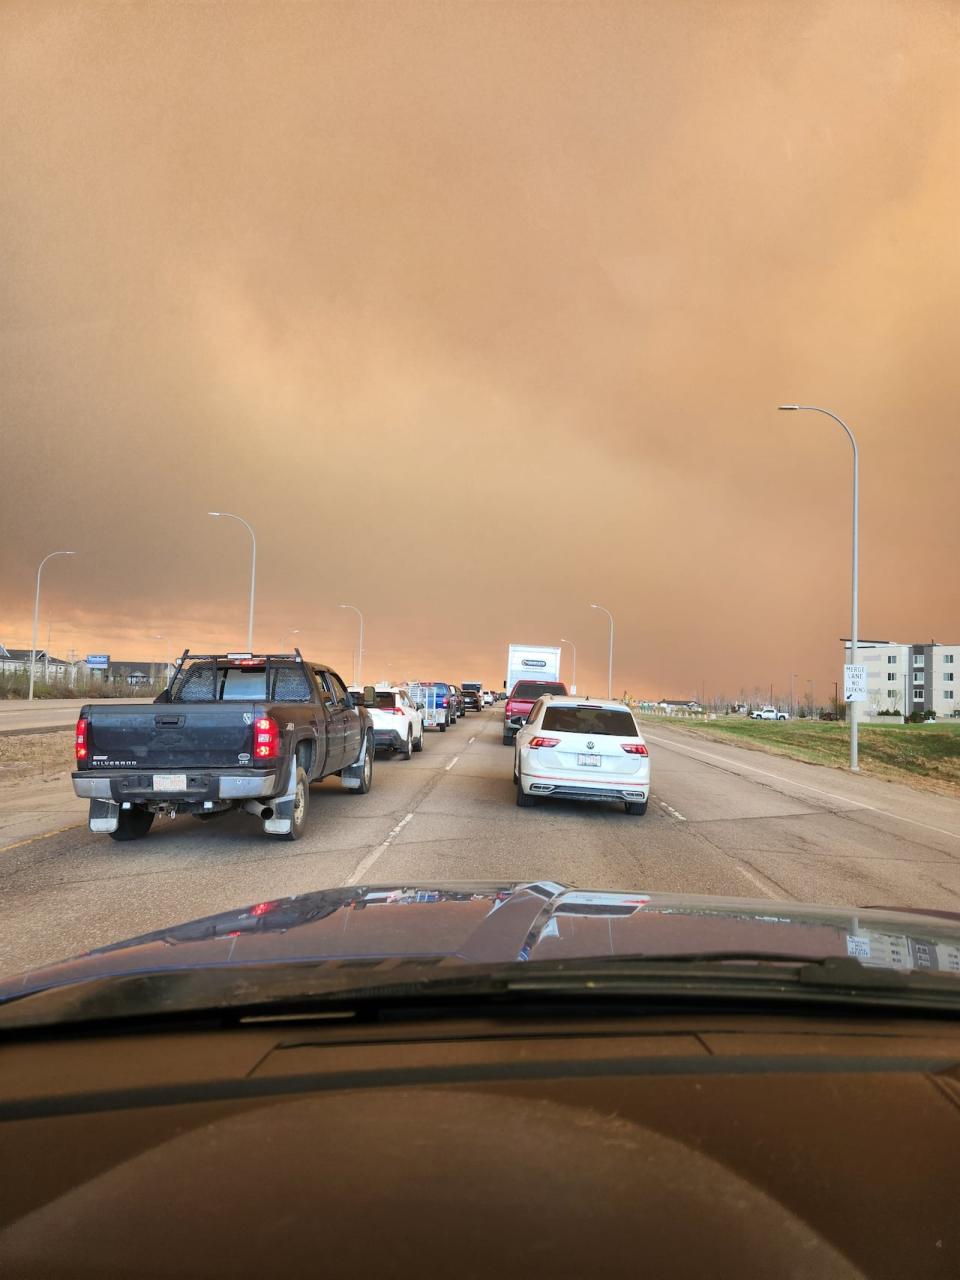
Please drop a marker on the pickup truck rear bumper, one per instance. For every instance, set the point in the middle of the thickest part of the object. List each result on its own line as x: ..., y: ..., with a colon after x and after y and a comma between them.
x: 202, y: 784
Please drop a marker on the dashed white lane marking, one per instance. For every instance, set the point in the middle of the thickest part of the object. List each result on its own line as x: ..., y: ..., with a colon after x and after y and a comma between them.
x: 790, y: 782
x: 448, y: 767
x: 471, y: 740
x: 673, y: 813
x: 366, y: 863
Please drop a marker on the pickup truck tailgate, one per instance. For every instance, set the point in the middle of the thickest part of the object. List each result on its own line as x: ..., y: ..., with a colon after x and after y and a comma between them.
x: 171, y: 736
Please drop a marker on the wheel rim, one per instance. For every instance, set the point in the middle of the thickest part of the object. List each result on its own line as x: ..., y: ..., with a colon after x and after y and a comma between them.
x: 367, y: 769
x: 299, y: 804
x: 409, y: 741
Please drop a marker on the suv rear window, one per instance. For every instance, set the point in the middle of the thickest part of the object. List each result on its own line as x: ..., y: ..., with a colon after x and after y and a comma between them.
x: 386, y: 700
x: 600, y: 720
x: 533, y: 689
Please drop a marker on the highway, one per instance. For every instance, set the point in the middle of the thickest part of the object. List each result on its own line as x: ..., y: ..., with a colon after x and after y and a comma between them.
x: 722, y: 820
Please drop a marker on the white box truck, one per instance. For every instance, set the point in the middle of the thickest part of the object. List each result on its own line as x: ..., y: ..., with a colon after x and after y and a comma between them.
x: 531, y: 662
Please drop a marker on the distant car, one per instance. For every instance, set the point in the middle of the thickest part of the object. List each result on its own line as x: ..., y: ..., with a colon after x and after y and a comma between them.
x: 582, y: 749
x: 769, y: 713
x: 456, y: 696
x: 522, y: 697
x: 472, y: 699
x: 487, y: 698
x: 397, y: 721
x: 829, y: 715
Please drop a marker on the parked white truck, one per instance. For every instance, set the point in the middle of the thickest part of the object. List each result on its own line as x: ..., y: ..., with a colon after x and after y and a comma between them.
x: 769, y: 713
x: 531, y: 662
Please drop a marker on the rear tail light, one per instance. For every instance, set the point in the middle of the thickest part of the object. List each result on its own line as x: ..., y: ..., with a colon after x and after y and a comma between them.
x: 266, y: 738
x: 81, y: 745
x: 443, y: 702
x: 398, y: 711
x: 544, y: 742
x: 634, y: 748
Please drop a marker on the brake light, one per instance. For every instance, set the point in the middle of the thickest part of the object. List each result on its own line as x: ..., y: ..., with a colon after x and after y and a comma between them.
x: 262, y: 908
x: 266, y: 738
x: 443, y: 702
x: 634, y: 748
x: 544, y: 742
x: 81, y: 747
x: 398, y: 711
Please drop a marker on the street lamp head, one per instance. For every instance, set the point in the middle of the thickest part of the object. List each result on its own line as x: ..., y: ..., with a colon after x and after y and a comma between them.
x: 594, y: 606
x: 213, y: 513
x: 788, y: 407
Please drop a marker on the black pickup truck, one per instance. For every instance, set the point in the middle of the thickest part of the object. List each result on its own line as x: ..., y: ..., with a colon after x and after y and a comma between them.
x: 235, y: 730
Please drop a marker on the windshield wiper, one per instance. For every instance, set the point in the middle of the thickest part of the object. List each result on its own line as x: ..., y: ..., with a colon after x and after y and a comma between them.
x: 312, y: 989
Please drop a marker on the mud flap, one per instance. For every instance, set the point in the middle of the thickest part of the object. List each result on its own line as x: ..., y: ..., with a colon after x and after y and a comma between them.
x: 350, y: 779
x: 282, y: 820
x: 104, y: 816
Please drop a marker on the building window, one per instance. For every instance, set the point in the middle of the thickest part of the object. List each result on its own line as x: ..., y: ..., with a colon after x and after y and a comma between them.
x: 918, y: 695
x: 948, y: 657
x: 891, y: 675
x: 918, y: 659
x: 948, y: 675
x: 891, y: 658
x: 918, y: 677
x: 891, y: 693
x: 948, y: 695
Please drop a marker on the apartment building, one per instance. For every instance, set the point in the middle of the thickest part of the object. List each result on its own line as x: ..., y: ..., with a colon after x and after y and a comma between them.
x: 910, y: 677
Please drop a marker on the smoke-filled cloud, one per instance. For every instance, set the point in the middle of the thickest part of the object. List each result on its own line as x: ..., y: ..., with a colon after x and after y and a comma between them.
x: 480, y: 313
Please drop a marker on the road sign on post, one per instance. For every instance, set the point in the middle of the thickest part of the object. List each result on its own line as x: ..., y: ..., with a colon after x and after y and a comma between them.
x: 854, y: 682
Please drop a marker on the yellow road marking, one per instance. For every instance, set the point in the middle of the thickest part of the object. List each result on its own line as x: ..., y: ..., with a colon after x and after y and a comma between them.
x: 46, y: 836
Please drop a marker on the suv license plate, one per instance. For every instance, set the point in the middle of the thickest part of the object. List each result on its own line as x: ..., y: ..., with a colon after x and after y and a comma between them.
x: 590, y: 760
x: 169, y: 782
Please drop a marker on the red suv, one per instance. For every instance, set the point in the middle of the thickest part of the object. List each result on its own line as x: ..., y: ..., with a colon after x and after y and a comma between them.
x: 522, y: 697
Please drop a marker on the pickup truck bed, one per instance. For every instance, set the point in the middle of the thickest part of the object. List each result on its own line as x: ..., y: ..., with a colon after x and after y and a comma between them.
x: 201, y: 749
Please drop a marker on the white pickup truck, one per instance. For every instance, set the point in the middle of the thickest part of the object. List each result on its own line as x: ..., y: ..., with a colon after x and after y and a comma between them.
x: 769, y: 713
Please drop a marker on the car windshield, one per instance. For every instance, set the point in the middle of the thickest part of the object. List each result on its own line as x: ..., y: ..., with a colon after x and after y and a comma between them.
x: 689, y: 270
x: 590, y: 720
x: 532, y: 689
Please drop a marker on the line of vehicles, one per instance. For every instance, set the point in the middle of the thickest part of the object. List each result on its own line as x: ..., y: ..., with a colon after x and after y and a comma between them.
x: 251, y: 732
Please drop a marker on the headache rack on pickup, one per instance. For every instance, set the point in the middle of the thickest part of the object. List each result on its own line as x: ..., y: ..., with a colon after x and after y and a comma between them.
x: 188, y: 663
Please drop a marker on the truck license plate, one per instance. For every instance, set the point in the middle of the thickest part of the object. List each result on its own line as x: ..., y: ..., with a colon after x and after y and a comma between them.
x: 589, y: 760
x: 169, y: 782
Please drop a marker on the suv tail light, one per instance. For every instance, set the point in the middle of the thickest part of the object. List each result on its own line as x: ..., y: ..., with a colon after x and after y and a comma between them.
x: 634, y: 748
x: 266, y: 738
x: 544, y: 742
x: 398, y: 711
x: 81, y: 746
x: 443, y: 702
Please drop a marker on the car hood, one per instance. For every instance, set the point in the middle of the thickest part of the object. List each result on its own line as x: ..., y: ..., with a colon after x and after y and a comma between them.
x: 489, y: 924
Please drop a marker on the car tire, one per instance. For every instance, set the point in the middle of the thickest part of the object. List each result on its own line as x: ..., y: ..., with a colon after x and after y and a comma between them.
x: 366, y: 777
x: 407, y: 750
x: 133, y: 824
x: 516, y: 771
x: 418, y: 745
x: 442, y: 727
x: 637, y: 807
x: 523, y: 800
x: 301, y: 806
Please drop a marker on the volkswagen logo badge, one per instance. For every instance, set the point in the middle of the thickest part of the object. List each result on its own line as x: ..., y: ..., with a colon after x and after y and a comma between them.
x: 589, y: 746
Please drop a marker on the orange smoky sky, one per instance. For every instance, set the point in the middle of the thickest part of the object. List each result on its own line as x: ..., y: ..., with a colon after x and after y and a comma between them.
x: 480, y: 313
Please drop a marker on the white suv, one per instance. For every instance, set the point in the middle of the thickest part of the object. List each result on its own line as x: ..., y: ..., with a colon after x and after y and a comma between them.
x: 582, y: 749
x: 397, y: 722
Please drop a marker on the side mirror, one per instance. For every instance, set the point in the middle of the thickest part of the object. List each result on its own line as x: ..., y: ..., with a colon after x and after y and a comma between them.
x: 369, y: 696
x: 518, y: 721
x: 421, y: 706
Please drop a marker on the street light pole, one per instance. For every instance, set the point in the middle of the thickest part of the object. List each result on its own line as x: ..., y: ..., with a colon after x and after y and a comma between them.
x: 360, y: 656
x: 813, y: 701
x: 610, y: 660
x: 36, y: 615
x: 793, y: 706
x: 253, y: 568
x: 854, y: 608
x: 573, y: 682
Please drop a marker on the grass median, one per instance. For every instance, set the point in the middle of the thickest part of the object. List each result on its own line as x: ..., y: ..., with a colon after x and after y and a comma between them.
x: 33, y: 755
x: 922, y: 755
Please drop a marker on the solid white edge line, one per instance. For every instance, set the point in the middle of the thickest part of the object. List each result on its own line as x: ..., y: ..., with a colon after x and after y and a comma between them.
x: 859, y: 804
x: 364, y: 865
x: 448, y: 767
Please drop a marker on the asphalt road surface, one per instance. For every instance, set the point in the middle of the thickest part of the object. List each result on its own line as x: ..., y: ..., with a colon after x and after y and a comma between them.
x: 722, y: 820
